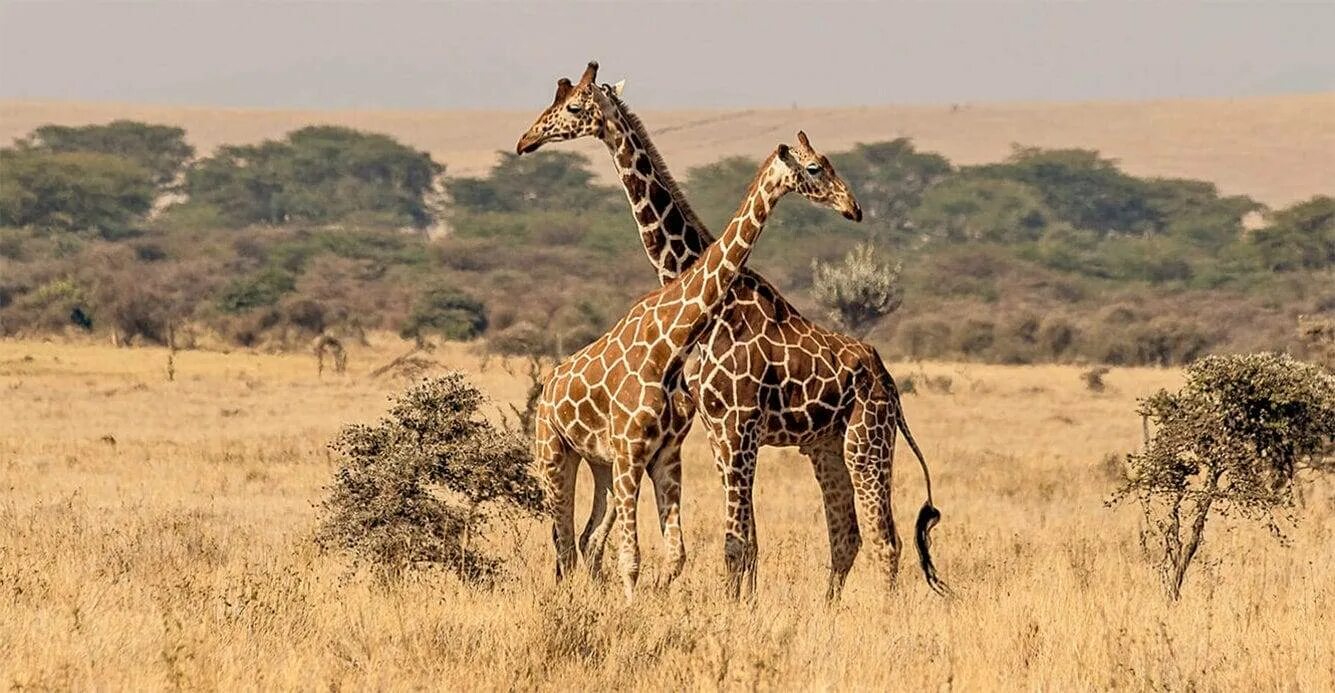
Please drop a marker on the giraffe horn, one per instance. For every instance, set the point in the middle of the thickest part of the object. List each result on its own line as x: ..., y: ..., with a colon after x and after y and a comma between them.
x: 563, y: 88
x: 590, y: 73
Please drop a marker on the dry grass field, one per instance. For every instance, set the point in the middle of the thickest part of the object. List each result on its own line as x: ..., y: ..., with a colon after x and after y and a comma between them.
x: 156, y: 534
x: 1274, y: 148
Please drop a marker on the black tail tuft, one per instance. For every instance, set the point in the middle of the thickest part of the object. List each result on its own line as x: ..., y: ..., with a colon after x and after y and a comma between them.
x: 927, y: 519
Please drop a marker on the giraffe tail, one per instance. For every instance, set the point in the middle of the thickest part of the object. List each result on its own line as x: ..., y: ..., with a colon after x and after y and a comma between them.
x: 928, y: 516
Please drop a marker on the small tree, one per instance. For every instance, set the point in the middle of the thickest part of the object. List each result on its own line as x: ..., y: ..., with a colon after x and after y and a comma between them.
x: 1228, y: 441
x: 860, y: 291
x: 421, y: 486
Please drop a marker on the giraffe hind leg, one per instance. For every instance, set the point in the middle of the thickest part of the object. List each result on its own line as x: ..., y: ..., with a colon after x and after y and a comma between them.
x: 736, y: 463
x: 666, y: 476
x: 868, y: 452
x: 557, y: 467
x: 593, y: 540
x: 841, y: 518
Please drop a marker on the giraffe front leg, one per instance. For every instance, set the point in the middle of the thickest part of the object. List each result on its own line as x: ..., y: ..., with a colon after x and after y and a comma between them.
x: 841, y: 518
x: 629, y: 470
x: 666, y: 476
x: 868, y: 452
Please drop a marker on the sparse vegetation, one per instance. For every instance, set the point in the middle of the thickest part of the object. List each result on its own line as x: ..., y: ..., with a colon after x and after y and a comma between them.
x: 160, y: 535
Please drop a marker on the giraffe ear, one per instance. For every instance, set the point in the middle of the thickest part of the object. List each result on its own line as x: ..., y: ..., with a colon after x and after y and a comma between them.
x: 802, y: 137
x: 619, y: 87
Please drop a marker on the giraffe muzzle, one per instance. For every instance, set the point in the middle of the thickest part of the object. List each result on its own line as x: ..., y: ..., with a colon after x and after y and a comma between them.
x: 854, y: 214
x: 528, y: 144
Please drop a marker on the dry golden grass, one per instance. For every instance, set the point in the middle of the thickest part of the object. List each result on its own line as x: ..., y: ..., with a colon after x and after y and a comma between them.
x: 179, y: 556
x: 1274, y: 148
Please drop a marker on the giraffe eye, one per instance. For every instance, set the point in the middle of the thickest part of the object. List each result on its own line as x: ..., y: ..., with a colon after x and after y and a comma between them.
x: 574, y: 108
x: 813, y: 169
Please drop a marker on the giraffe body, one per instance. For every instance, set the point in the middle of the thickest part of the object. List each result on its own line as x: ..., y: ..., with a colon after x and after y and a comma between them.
x: 622, y: 398
x: 765, y: 376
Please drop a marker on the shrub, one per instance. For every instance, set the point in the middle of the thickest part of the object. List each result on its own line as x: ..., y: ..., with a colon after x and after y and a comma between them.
x: 422, y: 487
x: 859, y: 292
x: 924, y: 337
x: 1317, y: 336
x: 1228, y: 441
x: 975, y: 337
x: 522, y: 339
x: 446, y: 311
x: 1055, y: 337
x: 258, y: 290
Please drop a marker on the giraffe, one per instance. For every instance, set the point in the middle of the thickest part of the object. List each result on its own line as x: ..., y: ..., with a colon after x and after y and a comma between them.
x: 767, y: 375
x: 621, y: 398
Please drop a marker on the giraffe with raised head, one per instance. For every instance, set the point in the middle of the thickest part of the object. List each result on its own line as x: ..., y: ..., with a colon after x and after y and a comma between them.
x: 620, y: 399
x: 766, y: 376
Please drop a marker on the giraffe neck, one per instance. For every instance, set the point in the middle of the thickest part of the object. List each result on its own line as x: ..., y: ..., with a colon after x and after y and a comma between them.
x: 703, y: 286
x: 672, y: 235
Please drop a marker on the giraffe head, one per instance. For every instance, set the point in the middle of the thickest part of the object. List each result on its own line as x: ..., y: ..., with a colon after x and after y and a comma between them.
x: 810, y: 174
x: 577, y: 111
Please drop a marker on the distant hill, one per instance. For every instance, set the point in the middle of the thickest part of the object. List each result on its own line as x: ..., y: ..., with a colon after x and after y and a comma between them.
x: 1277, y: 149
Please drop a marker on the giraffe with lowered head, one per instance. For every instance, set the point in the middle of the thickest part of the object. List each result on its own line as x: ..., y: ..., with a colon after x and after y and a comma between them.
x: 620, y: 398
x: 767, y: 376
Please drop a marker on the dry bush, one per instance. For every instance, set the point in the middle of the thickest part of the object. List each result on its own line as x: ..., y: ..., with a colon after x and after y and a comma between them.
x: 1093, y: 378
x: 422, y: 486
x: 1229, y: 441
x: 1316, y: 334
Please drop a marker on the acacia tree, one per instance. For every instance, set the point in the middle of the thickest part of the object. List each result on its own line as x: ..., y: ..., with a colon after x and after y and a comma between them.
x: 159, y: 149
x: 860, y: 291
x: 72, y: 191
x: 1227, y: 443
x: 319, y: 174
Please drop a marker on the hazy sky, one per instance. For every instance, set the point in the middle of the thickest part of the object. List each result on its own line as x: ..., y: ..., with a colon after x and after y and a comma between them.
x: 503, y: 55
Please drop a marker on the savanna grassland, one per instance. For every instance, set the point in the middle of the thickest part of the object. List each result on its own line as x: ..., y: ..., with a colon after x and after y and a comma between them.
x: 158, y: 534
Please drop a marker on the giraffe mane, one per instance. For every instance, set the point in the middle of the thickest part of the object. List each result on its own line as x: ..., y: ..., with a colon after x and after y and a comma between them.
x: 661, y: 169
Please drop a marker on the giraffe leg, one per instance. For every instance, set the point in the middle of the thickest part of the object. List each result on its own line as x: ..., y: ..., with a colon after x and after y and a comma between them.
x: 868, y: 451
x: 666, y: 476
x: 629, y: 471
x: 557, y: 468
x: 736, y: 463
x: 841, y: 518
x: 593, y: 539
